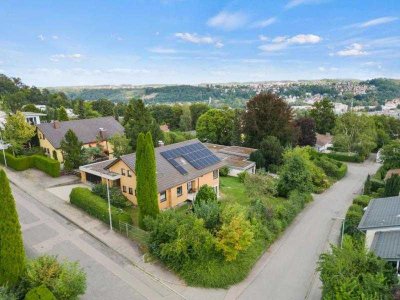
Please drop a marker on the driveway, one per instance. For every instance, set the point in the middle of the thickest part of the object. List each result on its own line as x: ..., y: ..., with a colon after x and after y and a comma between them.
x: 287, y: 270
x: 63, y: 191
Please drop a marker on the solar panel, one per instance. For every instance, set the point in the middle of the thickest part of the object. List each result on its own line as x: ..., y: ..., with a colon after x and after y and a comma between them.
x: 196, y: 154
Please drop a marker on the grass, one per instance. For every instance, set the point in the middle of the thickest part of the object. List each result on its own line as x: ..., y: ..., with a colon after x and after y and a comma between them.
x: 233, y: 190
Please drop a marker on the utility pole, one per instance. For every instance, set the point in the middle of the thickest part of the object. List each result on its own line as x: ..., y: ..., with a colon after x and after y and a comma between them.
x: 109, y: 204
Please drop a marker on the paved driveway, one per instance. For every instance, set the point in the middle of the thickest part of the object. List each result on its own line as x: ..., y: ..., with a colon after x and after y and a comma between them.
x: 63, y: 192
x: 287, y: 270
x: 109, y: 275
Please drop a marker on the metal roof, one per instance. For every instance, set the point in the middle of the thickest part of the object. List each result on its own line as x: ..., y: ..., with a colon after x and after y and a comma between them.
x: 386, y: 244
x: 167, y: 175
x: 87, y: 130
x: 381, y: 212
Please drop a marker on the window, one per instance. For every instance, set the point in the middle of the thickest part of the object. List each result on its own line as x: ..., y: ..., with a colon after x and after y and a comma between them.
x: 128, y: 172
x: 130, y: 191
x: 163, y: 196
x: 122, y: 171
x: 179, y: 191
x: 124, y: 188
x: 215, y: 174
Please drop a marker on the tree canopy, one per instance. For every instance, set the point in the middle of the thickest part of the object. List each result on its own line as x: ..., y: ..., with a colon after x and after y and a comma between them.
x: 72, y: 151
x: 324, y: 116
x: 215, y: 126
x: 17, y: 132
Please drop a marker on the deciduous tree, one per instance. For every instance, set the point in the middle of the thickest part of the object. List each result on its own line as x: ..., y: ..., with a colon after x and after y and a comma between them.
x: 185, y: 122
x: 72, y: 151
x: 12, y: 256
x: 120, y: 145
x: 215, y: 126
x: 104, y: 107
x: 62, y: 114
x: 307, y: 132
x: 324, y: 116
x: 17, y: 132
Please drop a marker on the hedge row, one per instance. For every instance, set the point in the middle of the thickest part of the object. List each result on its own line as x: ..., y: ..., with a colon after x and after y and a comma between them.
x: 40, y: 162
x: 333, y: 168
x: 95, y: 206
x: 345, y: 156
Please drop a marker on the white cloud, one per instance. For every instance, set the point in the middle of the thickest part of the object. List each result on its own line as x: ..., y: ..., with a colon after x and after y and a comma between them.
x: 162, y: 50
x: 294, y: 3
x: 355, y: 49
x: 263, y: 38
x: 227, y: 20
x: 55, y: 37
x: 264, y: 23
x: 58, y: 57
x: 378, y: 21
x: 41, y: 37
x: 324, y: 69
x: 197, y: 39
x: 282, y: 42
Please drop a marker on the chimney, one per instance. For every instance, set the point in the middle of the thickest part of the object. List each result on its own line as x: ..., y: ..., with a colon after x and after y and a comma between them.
x: 56, y: 124
x: 102, y: 133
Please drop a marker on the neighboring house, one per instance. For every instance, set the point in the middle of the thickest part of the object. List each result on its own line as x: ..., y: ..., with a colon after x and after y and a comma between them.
x: 91, y: 132
x: 41, y: 107
x: 235, y: 157
x: 392, y: 172
x: 182, y: 168
x: 323, y: 142
x: 381, y: 224
x: 30, y: 117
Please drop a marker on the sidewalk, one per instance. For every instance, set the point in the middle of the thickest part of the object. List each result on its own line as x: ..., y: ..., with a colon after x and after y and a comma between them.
x: 125, y: 247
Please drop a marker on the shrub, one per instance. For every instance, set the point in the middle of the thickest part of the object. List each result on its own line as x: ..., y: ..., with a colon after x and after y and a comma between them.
x: 66, y: 280
x: 6, y: 294
x: 97, y: 207
x: 117, y: 198
x: 236, y: 233
x: 224, y: 171
x: 40, y: 162
x: 352, y: 219
x: 258, y: 157
x: 392, y: 186
x: 40, y: 293
x: 205, y: 194
x: 376, y: 184
x: 242, y: 175
x: 209, y: 212
x: 331, y: 167
x: 362, y: 200
x: 345, y: 156
x: 258, y: 185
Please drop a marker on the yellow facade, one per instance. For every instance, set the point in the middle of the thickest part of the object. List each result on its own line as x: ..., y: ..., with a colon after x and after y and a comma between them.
x: 172, y: 197
x: 49, y: 148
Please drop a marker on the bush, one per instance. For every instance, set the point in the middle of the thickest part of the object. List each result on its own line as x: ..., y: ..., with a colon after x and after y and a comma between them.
x: 392, y: 186
x: 376, y: 184
x: 40, y: 162
x: 97, y: 207
x: 224, y: 171
x: 259, y: 185
x: 352, y: 219
x: 40, y: 293
x: 66, y: 280
x: 331, y: 167
x: 117, y: 198
x: 205, y: 194
x: 345, y: 156
x: 5, y: 294
x: 209, y: 212
x: 362, y: 200
x: 242, y: 175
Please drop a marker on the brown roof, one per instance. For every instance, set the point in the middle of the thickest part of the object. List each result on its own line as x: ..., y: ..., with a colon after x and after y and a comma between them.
x: 167, y: 175
x: 323, y: 139
x: 86, y: 130
x: 392, y: 172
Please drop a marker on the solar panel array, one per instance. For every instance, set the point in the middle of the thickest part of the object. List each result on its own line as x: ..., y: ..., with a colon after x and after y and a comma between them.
x: 196, y: 154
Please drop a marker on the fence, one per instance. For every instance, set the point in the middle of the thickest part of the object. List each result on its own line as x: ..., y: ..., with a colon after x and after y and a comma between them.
x: 133, y: 233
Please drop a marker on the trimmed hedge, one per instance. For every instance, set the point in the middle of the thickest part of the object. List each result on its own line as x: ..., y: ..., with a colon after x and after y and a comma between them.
x: 345, y: 156
x: 333, y: 168
x: 95, y: 206
x: 40, y: 162
x: 376, y: 184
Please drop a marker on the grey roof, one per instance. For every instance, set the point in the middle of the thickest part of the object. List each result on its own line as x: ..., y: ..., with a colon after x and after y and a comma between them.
x: 386, y: 244
x: 235, y: 157
x: 167, y: 175
x: 381, y: 212
x: 87, y: 130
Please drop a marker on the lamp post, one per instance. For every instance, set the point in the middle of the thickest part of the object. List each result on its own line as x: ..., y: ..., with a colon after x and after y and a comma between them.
x: 342, y: 231
x: 109, y: 204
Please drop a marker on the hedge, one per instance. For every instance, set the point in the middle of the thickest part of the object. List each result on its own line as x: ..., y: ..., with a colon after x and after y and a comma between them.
x: 95, y: 206
x: 376, y: 184
x: 40, y: 162
x: 345, y: 156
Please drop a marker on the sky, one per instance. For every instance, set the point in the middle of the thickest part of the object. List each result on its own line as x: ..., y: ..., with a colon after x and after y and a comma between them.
x: 94, y: 42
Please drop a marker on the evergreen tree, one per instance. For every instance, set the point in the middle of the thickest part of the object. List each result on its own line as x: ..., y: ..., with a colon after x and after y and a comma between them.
x: 236, y: 138
x: 62, y: 114
x: 12, y: 254
x: 138, y: 119
x: 367, y: 185
x: 392, y: 187
x: 185, y: 122
x: 324, y: 115
x: 146, y: 181
x: 72, y: 151
x: 81, y: 109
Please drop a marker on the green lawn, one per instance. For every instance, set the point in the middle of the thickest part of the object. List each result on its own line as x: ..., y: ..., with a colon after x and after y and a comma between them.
x: 233, y: 190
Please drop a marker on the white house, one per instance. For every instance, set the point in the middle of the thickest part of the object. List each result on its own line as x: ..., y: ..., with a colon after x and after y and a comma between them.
x: 324, y: 142
x: 30, y: 117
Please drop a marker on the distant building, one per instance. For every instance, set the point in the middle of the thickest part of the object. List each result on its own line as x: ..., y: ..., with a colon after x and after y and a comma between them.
x: 41, y: 107
x: 340, y: 108
x: 30, y: 117
x: 323, y: 142
x: 236, y: 158
x: 381, y: 224
x: 182, y: 168
x: 91, y: 132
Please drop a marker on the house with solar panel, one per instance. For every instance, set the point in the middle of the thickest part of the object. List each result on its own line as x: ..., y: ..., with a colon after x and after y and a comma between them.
x: 381, y: 224
x: 182, y: 168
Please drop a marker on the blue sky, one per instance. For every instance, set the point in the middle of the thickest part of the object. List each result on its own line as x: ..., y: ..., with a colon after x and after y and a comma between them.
x: 59, y: 43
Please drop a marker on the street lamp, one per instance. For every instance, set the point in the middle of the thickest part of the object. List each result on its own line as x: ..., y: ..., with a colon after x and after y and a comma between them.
x: 109, y: 204
x: 342, y: 234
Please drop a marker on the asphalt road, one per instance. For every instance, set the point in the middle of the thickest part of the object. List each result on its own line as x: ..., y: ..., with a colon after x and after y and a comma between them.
x: 109, y: 276
x: 287, y: 270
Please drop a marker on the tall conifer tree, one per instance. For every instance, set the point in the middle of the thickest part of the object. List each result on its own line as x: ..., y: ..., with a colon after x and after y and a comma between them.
x: 12, y: 255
